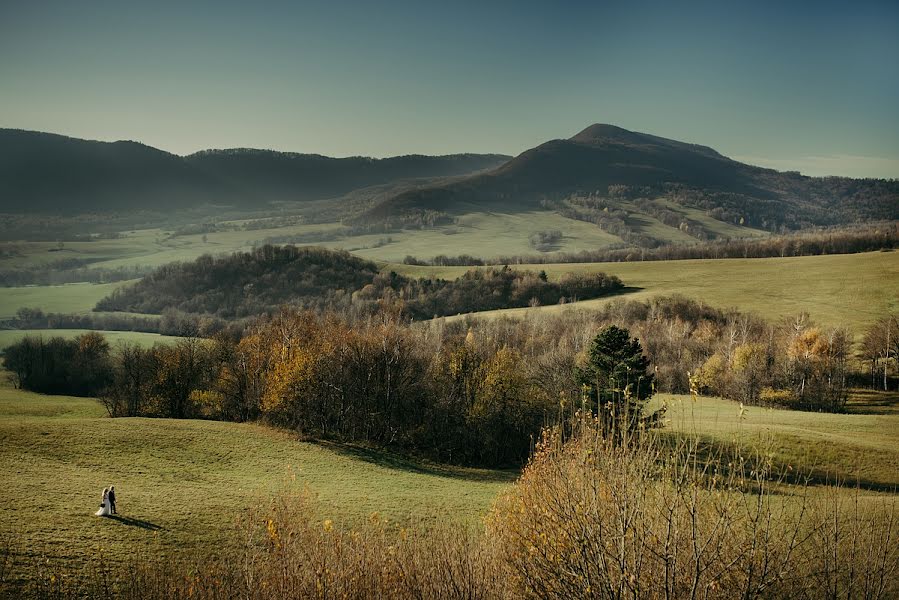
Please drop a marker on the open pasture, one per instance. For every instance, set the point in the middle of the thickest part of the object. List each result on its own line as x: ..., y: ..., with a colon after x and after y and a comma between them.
x: 183, y: 484
x: 851, y: 290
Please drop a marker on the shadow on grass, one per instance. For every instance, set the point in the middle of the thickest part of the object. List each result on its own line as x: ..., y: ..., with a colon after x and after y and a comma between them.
x: 722, y: 455
x: 136, y: 523
x: 872, y: 402
x: 396, y: 462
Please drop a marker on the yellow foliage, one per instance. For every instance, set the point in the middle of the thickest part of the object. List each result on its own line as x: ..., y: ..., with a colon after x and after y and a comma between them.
x: 811, y: 343
x: 287, y: 378
x: 748, y: 357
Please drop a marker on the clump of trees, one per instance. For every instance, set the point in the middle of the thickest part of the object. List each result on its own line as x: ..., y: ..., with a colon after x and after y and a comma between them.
x: 880, y: 351
x: 253, y: 283
x: 246, y: 283
x: 545, y: 241
x: 795, y: 364
x: 483, y: 289
x: 78, y: 367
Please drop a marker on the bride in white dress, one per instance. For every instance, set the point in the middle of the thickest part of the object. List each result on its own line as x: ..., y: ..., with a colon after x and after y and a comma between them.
x: 104, y: 505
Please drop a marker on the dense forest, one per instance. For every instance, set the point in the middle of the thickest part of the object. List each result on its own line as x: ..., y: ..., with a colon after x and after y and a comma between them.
x: 258, y: 282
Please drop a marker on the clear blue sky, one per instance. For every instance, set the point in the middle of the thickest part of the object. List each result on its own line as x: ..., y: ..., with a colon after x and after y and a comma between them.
x: 813, y: 85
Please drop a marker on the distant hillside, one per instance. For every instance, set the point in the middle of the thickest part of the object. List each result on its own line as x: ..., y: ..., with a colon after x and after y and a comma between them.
x: 623, y: 179
x: 253, y: 283
x: 43, y: 172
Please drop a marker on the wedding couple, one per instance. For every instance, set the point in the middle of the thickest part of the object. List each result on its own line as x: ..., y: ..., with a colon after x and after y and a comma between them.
x: 107, y: 504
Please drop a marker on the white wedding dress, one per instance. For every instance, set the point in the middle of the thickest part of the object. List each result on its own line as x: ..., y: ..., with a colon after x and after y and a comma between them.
x: 104, y: 508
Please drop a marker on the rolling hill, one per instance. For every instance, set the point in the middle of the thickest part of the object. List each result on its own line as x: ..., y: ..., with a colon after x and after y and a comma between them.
x: 44, y: 172
x: 626, y: 182
x: 247, y: 284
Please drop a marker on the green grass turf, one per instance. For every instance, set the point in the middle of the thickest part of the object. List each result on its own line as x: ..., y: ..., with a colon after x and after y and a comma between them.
x: 850, y: 448
x: 11, y: 336
x: 479, y: 234
x: 720, y: 228
x: 78, y: 298
x: 183, y: 484
x: 851, y: 290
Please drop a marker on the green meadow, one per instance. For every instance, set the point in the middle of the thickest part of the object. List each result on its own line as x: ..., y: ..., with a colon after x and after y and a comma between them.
x: 850, y: 290
x: 861, y: 447
x: 77, y: 298
x: 182, y: 485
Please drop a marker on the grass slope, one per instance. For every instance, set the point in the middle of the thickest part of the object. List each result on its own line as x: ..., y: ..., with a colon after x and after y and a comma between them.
x: 78, y: 298
x: 183, y: 484
x: 850, y: 448
x: 845, y: 289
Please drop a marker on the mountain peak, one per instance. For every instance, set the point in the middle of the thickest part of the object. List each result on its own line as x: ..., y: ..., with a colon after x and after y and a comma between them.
x: 599, y: 132
x: 602, y: 133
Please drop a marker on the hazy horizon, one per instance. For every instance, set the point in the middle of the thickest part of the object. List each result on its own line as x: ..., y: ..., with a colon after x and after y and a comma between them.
x: 808, y: 87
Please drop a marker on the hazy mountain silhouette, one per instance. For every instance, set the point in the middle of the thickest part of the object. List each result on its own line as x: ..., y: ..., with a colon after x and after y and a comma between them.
x: 605, y: 161
x: 54, y: 173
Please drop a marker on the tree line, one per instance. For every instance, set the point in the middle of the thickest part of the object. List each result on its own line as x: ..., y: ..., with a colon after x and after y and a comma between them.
x: 868, y: 238
x: 471, y: 391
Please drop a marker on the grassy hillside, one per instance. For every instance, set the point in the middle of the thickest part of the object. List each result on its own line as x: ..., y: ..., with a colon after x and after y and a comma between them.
x: 847, y: 289
x: 853, y: 448
x: 182, y: 484
x: 478, y: 233
x: 76, y: 298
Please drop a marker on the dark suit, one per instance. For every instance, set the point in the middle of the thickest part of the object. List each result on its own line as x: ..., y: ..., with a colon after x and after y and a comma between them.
x: 112, y: 501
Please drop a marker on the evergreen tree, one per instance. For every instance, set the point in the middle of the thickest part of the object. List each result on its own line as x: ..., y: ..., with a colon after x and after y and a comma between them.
x: 616, y: 381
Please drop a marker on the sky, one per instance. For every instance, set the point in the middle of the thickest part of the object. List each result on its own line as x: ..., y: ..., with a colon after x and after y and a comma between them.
x: 808, y: 86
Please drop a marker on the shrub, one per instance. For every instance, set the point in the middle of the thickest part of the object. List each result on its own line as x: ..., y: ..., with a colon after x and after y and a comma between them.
x: 593, y: 519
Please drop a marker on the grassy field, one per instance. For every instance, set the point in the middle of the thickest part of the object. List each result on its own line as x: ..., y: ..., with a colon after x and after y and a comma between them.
x: 480, y: 234
x: 852, y: 290
x: 11, y: 336
x: 845, y: 289
x: 486, y: 235
x: 183, y: 484
x: 78, y: 298
x: 851, y: 448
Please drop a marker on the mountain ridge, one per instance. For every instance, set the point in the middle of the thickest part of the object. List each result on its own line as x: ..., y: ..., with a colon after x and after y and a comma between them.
x: 605, y: 168
x: 48, y: 172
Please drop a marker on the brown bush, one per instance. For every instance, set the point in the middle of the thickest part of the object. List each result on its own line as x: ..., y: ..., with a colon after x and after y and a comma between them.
x: 590, y: 519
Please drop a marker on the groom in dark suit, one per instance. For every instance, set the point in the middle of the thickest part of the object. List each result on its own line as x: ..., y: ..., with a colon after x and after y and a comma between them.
x: 112, y: 499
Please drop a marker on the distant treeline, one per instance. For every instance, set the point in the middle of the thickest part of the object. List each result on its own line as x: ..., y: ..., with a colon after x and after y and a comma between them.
x: 259, y: 282
x: 170, y: 323
x: 69, y: 271
x: 883, y: 236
